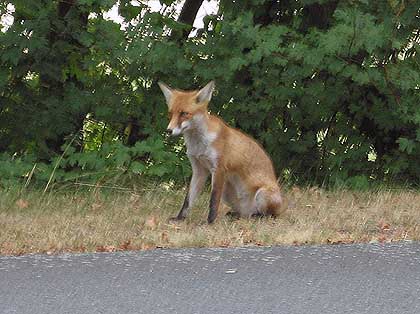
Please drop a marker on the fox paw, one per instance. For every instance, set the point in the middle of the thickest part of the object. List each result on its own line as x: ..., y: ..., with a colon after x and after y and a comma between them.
x: 233, y: 215
x: 175, y: 220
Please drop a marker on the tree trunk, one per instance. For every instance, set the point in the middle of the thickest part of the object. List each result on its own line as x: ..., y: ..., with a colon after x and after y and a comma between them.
x: 188, y: 13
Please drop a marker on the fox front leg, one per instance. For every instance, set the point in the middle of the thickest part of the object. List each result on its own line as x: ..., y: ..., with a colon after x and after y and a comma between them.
x: 198, y: 180
x: 217, y: 182
x: 185, y: 207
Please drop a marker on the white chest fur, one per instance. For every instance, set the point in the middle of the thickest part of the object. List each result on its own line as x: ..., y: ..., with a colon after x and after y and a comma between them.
x: 199, y: 144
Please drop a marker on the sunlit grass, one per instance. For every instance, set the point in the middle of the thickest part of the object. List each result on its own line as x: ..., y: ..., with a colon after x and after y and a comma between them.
x: 101, y: 220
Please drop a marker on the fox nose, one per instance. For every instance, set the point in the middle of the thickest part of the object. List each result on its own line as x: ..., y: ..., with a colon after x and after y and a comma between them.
x: 169, y: 131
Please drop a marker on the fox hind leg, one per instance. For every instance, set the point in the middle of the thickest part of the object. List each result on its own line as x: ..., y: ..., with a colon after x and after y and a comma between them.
x: 269, y: 202
x: 230, y: 198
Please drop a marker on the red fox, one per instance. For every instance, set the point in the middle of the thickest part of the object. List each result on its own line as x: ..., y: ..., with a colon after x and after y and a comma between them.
x: 242, y: 174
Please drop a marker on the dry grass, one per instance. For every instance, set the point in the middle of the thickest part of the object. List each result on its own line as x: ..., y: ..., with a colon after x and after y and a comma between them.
x: 99, y: 221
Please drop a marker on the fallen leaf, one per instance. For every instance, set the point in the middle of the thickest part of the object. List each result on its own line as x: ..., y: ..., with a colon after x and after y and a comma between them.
x: 334, y: 241
x: 134, y: 197
x: 105, y: 248
x: 382, y: 238
x: 144, y: 246
x: 22, y: 203
x: 135, y: 200
x: 225, y: 243
x: 96, y: 206
x: 384, y: 226
x: 165, y: 236
x: 125, y: 246
x: 175, y: 226
x: 151, y: 222
x: 315, y: 191
x: 100, y: 248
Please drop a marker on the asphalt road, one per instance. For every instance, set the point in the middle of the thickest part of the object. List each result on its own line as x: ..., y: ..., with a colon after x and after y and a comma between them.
x: 314, y: 279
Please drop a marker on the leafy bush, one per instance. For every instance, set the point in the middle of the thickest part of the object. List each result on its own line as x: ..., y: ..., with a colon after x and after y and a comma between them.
x: 330, y: 88
x: 150, y: 159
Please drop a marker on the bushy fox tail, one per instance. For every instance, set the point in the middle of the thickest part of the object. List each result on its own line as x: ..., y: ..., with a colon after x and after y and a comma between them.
x: 270, y: 201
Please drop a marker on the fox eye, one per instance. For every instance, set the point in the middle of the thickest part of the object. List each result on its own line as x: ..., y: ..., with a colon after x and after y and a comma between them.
x: 183, y: 114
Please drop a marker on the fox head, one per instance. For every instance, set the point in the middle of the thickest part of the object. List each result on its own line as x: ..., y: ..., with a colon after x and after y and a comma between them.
x: 186, y: 108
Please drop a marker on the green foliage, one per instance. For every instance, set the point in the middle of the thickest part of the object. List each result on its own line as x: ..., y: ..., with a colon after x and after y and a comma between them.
x: 150, y: 159
x: 330, y: 88
x: 14, y: 170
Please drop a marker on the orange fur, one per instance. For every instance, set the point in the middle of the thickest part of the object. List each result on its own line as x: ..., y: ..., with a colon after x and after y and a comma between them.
x: 242, y: 173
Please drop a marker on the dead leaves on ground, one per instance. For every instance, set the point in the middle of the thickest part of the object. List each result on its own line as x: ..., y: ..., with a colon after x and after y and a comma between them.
x: 139, y: 223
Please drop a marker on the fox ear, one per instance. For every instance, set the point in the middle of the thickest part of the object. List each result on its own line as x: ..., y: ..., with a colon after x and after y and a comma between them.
x: 167, y: 92
x: 204, y: 94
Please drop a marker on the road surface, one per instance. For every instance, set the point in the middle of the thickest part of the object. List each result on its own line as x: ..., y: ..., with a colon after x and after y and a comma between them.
x: 370, y: 278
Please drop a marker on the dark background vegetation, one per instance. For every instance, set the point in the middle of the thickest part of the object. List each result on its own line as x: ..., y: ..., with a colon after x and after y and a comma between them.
x: 330, y: 88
